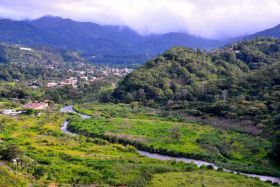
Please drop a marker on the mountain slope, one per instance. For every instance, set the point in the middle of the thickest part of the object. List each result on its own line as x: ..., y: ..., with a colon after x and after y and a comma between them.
x: 20, y: 32
x: 236, y: 81
x: 272, y: 32
x: 108, y: 44
x: 21, y: 63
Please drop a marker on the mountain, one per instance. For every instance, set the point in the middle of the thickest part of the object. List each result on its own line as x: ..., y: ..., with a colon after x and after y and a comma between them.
x: 22, y: 33
x: 240, y: 81
x: 101, y: 44
x: 21, y: 63
x: 272, y: 32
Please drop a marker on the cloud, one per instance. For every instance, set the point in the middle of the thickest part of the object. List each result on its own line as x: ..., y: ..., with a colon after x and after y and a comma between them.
x: 206, y: 18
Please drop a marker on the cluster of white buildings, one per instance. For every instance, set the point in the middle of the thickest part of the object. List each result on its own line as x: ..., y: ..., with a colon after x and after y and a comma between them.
x: 90, y: 75
x: 116, y: 71
x: 72, y: 81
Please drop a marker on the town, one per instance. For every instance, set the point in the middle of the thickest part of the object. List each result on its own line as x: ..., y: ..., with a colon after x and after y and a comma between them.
x: 87, y: 75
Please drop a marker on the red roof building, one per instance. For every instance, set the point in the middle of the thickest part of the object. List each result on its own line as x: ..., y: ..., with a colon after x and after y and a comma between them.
x: 36, y: 105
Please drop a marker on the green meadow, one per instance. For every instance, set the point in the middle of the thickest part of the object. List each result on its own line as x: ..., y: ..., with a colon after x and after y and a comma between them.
x: 203, y: 178
x: 49, y: 157
x: 147, y: 129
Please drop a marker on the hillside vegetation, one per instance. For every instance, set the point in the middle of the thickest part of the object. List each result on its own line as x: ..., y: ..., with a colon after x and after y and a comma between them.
x: 202, y: 178
x: 47, y: 156
x: 21, y: 63
x: 151, y: 130
x: 26, y: 72
x: 238, y: 82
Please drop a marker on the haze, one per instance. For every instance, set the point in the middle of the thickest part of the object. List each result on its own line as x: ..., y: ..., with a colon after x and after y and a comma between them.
x: 206, y: 18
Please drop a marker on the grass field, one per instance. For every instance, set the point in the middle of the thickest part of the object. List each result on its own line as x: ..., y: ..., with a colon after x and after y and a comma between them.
x: 147, y: 127
x: 203, y: 178
x: 50, y: 157
x: 9, y: 178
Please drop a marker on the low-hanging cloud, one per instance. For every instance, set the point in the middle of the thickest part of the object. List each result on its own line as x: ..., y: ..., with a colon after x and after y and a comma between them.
x: 206, y: 18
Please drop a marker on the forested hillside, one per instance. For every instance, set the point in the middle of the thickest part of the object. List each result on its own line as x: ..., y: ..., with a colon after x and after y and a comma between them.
x: 21, y: 63
x: 45, y: 73
x: 240, y: 81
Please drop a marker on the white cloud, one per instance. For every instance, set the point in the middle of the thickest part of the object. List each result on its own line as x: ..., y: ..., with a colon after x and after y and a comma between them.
x: 207, y: 18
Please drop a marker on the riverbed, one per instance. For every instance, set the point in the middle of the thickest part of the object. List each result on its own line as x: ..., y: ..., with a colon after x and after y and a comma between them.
x: 69, y: 109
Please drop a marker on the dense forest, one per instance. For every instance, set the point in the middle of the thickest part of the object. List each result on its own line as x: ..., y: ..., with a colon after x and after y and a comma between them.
x: 240, y: 81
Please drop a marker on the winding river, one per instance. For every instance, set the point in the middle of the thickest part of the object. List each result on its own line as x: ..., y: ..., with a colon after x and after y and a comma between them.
x: 69, y: 109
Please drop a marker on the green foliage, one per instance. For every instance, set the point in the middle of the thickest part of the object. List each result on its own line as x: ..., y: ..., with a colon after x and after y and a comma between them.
x: 51, y: 157
x: 276, y: 149
x: 145, y: 129
x: 10, y: 179
x: 22, y: 69
x: 238, y: 82
x: 18, y: 64
x: 204, y: 178
x: 9, y: 151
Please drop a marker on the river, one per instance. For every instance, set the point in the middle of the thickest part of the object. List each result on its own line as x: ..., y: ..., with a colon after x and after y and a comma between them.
x: 69, y: 109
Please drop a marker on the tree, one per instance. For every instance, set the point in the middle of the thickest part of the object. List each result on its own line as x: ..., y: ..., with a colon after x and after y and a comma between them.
x: 9, y: 151
x: 276, y: 149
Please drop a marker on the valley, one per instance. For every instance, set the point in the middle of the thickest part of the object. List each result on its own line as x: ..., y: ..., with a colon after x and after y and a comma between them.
x: 103, y: 136
x: 52, y: 157
x: 131, y: 100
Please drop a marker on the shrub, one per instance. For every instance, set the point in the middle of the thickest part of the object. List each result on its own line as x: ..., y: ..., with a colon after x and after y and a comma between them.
x: 9, y: 151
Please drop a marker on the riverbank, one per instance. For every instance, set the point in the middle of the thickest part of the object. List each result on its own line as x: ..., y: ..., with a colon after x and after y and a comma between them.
x: 164, y: 157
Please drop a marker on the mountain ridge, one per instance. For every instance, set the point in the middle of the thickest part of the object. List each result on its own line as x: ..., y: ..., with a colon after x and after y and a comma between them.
x: 109, y: 44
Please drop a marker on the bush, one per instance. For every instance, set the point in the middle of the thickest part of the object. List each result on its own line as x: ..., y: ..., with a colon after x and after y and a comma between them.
x: 9, y: 151
x: 38, y: 172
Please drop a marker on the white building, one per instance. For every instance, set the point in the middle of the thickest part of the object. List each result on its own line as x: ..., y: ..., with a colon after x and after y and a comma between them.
x: 52, y: 84
x: 25, y: 49
x: 11, y: 112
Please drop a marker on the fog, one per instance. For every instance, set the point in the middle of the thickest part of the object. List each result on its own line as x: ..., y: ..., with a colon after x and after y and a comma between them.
x: 206, y: 18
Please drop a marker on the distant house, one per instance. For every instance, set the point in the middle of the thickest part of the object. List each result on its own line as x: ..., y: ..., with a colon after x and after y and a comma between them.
x: 72, y: 81
x: 93, y: 79
x: 49, y: 67
x: 52, y: 84
x: 85, y: 78
x: 34, y: 84
x: 11, y: 112
x: 36, y: 105
x: 237, y: 51
x: 34, y: 87
x: 26, y: 49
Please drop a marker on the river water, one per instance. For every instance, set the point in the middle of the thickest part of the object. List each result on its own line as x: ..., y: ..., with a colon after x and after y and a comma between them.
x: 69, y: 109
x: 200, y: 163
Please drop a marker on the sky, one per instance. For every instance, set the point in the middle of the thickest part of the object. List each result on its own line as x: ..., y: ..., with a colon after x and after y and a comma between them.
x: 217, y: 19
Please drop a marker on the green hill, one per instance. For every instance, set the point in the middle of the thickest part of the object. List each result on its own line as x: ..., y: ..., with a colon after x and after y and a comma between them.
x: 238, y: 82
x: 22, y: 63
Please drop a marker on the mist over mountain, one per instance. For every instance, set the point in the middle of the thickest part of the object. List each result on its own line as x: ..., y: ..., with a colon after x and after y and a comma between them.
x: 105, y: 44
x: 102, y: 44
